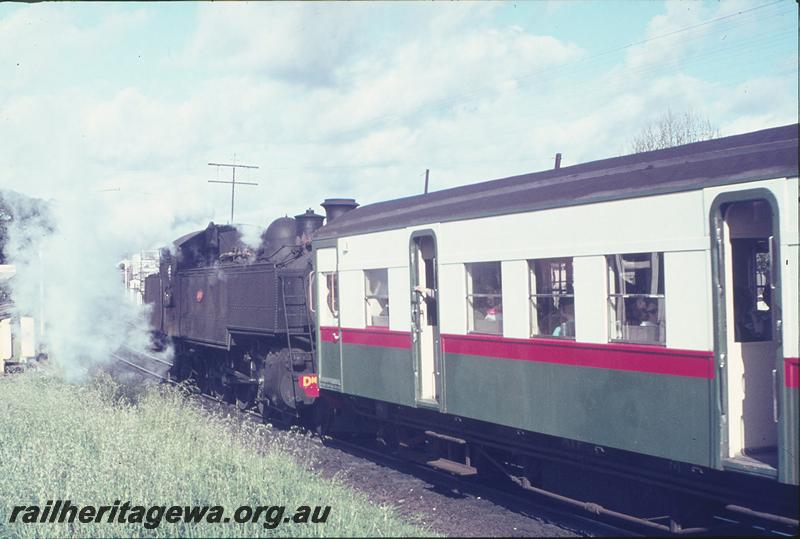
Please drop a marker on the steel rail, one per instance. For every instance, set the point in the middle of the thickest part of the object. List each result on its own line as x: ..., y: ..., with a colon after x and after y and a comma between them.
x: 142, y: 369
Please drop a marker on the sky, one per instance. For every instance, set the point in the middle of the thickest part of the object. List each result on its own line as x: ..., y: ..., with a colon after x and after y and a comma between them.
x: 116, y: 109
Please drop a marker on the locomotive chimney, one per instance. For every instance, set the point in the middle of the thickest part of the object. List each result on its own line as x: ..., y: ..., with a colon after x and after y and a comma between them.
x: 334, y: 207
x: 307, y: 223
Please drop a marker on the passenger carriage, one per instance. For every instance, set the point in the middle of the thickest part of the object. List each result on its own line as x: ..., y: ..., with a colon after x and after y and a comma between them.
x: 645, y: 303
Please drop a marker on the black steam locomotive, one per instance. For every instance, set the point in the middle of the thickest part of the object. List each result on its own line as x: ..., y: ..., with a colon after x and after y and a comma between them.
x: 239, y: 316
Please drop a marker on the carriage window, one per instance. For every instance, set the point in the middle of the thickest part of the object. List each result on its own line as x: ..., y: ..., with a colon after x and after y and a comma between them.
x: 377, y: 297
x: 752, y: 290
x: 330, y: 311
x: 636, y: 297
x: 484, y: 298
x: 552, y: 298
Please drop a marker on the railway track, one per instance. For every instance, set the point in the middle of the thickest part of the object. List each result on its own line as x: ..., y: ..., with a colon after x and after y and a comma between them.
x: 130, y: 363
x: 583, y: 518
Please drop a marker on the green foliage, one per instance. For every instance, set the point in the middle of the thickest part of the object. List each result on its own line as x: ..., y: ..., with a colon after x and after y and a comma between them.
x: 91, y: 444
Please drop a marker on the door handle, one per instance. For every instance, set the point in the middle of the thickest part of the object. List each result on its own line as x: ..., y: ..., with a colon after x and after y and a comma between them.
x: 415, y: 314
x: 772, y: 264
x: 775, y: 395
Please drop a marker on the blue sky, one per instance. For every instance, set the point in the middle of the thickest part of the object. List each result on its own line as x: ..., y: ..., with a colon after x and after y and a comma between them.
x: 122, y: 105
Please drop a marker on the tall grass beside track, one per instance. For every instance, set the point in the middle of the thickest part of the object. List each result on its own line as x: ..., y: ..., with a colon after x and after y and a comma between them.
x: 88, y: 444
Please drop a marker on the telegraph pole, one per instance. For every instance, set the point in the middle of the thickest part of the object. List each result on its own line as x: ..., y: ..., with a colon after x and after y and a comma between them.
x: 233, y: 183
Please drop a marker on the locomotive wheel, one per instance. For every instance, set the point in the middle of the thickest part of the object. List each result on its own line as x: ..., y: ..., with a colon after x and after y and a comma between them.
x: 275, y: 405
x: 220, y: 392
x: 200, y: 378
x: 276, y: 395
x: 181, y: 370
x: 246, y: 396
x: 277, y: 414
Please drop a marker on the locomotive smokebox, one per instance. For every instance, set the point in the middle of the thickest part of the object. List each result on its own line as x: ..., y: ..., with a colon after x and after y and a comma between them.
x: 308, y: 222
x: 334, y: 207
x: 281, y: 232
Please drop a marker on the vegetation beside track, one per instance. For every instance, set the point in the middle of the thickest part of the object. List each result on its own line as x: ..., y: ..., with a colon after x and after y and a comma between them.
x: 93, y: 445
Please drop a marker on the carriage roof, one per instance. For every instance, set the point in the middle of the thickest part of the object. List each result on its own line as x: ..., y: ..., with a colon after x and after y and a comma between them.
x: 765, y: 154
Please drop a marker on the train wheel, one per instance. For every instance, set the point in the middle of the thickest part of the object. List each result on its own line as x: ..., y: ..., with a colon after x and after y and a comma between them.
x: 246, y: 396
x: 216, y: 388
x: 387, y: 437
x: 322, y: 418
x: 277, y: 414
x: 181, y: 370
x: 277, y: 407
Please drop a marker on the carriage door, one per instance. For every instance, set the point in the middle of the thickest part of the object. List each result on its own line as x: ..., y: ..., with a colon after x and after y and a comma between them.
x: 425, y: 319
x: 326, y: 280
x: 748, y: 327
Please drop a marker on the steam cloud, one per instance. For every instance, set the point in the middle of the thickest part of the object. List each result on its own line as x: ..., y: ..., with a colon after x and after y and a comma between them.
x: 66, y: 254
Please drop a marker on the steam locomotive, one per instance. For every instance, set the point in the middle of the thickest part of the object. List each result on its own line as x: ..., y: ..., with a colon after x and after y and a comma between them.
x: 239, y: 317
x: 630, y: 317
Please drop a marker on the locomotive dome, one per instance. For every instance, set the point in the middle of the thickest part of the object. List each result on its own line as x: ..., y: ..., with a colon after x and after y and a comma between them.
x: 281, y: 232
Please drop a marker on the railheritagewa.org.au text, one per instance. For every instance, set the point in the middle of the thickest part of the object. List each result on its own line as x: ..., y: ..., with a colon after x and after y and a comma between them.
x: 152, y: 516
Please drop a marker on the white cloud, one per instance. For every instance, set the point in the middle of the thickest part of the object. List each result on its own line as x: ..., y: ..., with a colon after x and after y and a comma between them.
x: 43, y: 46
x: 302, y: 42
x: 666, y: 43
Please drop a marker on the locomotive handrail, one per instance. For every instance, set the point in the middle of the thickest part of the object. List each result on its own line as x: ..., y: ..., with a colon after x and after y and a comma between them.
x: 311, y: 275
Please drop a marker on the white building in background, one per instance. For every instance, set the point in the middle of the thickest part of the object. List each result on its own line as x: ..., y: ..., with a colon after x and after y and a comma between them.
x: 17, y: 333
x: 136, y: 269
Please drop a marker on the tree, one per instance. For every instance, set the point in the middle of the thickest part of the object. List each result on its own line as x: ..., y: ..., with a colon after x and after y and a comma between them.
x: 32, y: 216
x: 673, y: 130
x: 5, y: 219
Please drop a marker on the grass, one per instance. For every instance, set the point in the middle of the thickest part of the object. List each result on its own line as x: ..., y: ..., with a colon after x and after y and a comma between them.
x: 91, y: 445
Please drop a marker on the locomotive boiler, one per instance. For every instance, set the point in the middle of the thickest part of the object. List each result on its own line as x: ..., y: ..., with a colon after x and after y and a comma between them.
x: 239, y: 316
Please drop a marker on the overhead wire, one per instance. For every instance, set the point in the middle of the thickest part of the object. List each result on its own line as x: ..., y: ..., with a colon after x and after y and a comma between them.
x: 578, y: 92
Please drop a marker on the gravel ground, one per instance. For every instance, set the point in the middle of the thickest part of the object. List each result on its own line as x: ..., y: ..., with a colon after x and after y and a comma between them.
x: 443, y: 510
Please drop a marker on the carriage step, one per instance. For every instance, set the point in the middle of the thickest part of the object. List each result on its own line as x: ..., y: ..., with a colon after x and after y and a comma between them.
x: 445, y: 437
x: 457, y: 468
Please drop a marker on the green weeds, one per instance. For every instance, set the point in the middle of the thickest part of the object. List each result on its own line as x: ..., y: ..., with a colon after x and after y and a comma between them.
x: 93, y: 445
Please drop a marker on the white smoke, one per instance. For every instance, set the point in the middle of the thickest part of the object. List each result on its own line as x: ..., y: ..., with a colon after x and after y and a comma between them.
x: 67, y: 272
x: 251, y: 235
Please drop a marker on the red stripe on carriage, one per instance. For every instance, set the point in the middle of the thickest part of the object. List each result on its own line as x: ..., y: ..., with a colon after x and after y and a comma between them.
x: 624, y: 357
x: 377, y: 337
x: 373, y: 336
x: 329, y: 334
x: 792, y: 372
